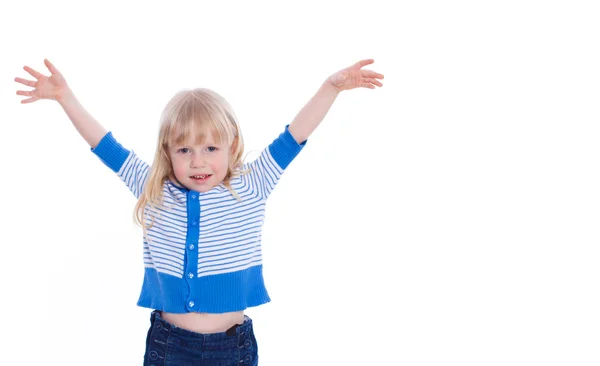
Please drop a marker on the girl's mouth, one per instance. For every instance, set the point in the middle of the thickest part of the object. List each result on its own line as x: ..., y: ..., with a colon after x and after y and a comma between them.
x: 200, y: 177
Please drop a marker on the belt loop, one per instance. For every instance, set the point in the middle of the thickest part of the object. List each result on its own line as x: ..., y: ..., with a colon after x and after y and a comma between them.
x: 232, y: 331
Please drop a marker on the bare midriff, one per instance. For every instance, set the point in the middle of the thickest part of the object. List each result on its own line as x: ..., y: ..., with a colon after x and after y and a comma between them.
x: 205, y: 323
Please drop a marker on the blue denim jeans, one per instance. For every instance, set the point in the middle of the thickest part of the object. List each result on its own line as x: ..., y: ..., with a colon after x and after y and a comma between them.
x: 169, y: 345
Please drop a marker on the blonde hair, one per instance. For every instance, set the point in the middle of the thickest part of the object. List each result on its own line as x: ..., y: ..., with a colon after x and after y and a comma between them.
x: 191, y: 115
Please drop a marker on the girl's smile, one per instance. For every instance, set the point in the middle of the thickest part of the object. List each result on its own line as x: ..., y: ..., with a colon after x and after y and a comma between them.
x: 201, y: 178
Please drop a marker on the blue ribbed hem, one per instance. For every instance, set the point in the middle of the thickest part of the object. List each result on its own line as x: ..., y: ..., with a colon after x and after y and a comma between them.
x: 220, y: 293
x: 112, y: 153
x: 285, y: 148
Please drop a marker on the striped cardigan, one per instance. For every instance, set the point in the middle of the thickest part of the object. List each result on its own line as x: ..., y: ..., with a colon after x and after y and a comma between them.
x: 203, y: 253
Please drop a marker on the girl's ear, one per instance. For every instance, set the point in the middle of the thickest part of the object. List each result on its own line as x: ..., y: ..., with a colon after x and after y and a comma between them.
x: 234, y: 146
x: 165, y: 150
x: 166, y: 158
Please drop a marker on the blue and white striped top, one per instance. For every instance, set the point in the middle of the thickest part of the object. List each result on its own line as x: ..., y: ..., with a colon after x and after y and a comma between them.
x: 204, y: 249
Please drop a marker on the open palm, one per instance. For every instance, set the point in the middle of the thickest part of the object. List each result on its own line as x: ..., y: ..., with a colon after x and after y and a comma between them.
x: 356, y: 77
x: 52, y: 87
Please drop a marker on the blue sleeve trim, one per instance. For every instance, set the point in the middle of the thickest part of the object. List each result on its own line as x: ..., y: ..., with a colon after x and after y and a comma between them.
x: 112, y: 153
x: 285, y: 148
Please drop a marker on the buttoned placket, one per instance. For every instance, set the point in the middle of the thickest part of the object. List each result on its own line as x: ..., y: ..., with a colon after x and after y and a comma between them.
x: 191, y: 248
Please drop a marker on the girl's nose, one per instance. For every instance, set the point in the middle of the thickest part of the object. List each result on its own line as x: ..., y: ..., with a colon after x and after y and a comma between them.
x: 197, y: 161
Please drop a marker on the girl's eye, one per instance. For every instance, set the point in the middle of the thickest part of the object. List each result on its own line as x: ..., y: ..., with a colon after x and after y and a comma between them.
x: 183, y: 150
x: 211, y: 149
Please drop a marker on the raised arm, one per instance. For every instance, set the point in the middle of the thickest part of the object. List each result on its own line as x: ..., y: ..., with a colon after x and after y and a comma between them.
x: 54, y: 87
x: 311, y: 115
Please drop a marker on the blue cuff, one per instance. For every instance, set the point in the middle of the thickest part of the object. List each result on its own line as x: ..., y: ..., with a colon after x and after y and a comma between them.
x: 285, y: 148
x: 111, y: 152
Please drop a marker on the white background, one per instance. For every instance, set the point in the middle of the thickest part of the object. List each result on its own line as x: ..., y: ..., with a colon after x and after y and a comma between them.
x: 448, y: 218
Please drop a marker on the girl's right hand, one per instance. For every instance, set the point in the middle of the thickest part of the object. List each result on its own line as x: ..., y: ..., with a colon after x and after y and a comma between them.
x: 54, y: 87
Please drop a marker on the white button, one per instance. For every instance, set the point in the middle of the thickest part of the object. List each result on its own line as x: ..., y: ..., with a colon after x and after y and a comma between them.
x: 191, y: 246
x: 190, y: 275
x: 193, y: 196
x: 191, y: 304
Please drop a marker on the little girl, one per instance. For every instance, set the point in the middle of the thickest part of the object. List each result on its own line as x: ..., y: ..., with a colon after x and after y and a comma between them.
x: 202, y: 210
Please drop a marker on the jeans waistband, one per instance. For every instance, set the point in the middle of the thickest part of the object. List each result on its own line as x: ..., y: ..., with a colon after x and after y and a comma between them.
x: 238, y: 329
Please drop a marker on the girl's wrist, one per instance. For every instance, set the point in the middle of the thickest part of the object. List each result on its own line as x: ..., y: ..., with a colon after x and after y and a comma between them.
x: 65, y: 96
x: 329, y: 87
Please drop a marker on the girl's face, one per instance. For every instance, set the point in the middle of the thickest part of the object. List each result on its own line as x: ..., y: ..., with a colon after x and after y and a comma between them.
x: 200, y: 167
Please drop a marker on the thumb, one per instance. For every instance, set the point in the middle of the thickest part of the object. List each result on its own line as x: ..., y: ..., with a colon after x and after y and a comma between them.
x: 51, y: 67
x: 339, y: 79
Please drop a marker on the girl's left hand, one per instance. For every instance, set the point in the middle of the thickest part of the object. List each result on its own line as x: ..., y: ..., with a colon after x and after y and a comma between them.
x: 355, y: 77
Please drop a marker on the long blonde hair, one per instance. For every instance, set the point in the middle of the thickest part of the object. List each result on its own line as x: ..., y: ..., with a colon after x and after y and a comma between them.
x: 190, y: 115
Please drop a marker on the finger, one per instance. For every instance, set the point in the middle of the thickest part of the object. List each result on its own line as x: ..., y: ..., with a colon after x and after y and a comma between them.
x: 25, y: 82
x: 375, y: 82
x: 25, y: 93
x: 29, y: 100
x: 32, y: 72
x: 372, y: 81
x: 363, y: 63
x: 372, y: 74
x: 367, y: 85
x: 51, y: 67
